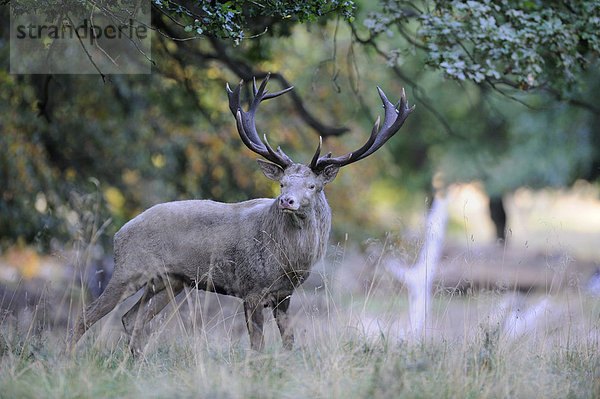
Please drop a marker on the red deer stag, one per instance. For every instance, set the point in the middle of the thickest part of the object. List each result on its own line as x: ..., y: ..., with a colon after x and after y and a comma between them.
x: 258, y: 250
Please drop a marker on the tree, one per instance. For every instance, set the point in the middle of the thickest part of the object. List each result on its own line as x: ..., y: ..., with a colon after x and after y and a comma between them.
x: 82, y: 150
x: 517, y: 44
x: 540, y: 54
x: 165, y: 136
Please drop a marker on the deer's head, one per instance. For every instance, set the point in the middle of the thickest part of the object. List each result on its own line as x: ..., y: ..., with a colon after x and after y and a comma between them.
x: 301, y: 183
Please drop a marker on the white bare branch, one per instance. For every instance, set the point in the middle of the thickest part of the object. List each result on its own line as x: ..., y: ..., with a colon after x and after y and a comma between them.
x: 419, y: 278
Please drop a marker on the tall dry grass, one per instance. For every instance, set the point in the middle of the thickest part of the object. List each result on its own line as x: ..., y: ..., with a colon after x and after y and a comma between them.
x: 353, y: 338
x: 352, y: 342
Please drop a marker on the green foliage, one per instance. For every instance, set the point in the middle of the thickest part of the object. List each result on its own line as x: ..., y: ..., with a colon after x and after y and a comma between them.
x: 501, y: 55
x: 232, y: 20
x: 526, y: 44
x: 237, y: 20
x: 64, y: 9
x: 91, y: 151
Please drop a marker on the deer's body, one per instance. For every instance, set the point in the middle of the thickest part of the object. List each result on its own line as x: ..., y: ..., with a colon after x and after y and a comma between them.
x: 258, y: 250
x: 247, y: 249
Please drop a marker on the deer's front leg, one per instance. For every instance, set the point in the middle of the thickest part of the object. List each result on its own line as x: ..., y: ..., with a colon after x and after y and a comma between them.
x: 254, y: 322
x: 283, y: 322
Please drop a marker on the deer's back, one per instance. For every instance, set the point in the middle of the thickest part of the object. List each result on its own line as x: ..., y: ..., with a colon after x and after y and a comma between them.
x: 202, y: 241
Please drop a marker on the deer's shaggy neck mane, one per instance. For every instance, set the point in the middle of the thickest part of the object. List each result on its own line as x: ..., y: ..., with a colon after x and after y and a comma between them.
x: 304, y: 233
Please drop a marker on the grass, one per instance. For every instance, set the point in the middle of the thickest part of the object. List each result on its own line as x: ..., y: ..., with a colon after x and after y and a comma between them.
x: 347, y: 369
x: 339, y: 354
x: 351, y: 340
x: 350, y: 328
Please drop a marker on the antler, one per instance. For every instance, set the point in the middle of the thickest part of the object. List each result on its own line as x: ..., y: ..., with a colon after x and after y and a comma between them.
x: 395, y: 115
x: 247, y: 127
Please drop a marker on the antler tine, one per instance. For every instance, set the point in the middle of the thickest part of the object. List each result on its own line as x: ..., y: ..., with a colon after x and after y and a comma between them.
x: 263, y: 94
x: 390, y: 109
x: 315, y: 158
x: 260, y: 93
x: 277, y: 93
x: 234, y: 97
x: 279, y: 154
x: 393, y: 120
x: 246, y: 125
x: 247, y: 133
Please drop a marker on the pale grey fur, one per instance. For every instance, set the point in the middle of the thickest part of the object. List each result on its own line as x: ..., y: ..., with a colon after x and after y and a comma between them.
x: 258, y: 250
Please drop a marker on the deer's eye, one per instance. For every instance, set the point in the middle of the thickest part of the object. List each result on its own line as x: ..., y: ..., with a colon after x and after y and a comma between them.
x: 311, y: 187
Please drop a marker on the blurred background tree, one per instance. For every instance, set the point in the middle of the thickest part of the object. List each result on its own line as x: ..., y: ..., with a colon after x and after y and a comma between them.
x: 521, y: 111
x: 504, y: 94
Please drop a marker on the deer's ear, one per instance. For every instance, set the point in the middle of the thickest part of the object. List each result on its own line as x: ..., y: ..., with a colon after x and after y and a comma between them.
x: 271, y: 170
x: 329, y: 173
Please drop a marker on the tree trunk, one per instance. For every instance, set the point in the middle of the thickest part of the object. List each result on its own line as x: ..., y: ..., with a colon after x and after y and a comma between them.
x: 498, y: 215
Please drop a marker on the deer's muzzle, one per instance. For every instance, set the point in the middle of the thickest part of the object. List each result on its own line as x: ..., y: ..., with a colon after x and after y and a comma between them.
x: 288, y: 203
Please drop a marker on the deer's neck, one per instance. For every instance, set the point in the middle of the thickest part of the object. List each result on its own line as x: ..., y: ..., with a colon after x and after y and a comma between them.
x: 303, y: 234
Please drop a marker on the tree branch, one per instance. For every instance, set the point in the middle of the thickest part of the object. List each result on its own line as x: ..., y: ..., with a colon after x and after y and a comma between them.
x: 103, y: 76
x: 419, y: 94
x: 245, y: 71
x: 419, y: 278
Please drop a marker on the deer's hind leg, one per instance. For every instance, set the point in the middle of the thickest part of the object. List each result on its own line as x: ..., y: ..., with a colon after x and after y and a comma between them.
x: 157, y: 294
x: 115, y: 293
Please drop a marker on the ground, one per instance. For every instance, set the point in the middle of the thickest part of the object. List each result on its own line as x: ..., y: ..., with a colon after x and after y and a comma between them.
x: 514, y: 319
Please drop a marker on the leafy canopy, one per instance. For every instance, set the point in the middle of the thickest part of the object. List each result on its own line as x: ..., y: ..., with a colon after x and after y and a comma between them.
x: 236, y: 20
x: 523, y: 44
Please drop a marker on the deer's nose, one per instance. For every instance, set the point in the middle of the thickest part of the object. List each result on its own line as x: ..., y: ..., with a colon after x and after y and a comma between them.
x: 287, y: 202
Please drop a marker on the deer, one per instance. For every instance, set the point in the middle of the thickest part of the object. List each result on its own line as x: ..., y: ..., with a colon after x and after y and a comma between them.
x: 259, y: 250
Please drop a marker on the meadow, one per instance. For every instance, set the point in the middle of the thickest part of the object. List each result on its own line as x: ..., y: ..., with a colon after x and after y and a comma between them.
x: 348, y: 346
x: 529, y: 329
